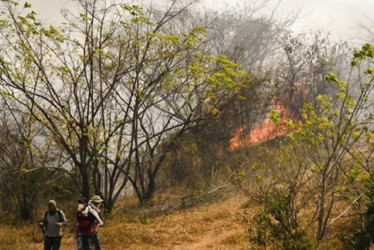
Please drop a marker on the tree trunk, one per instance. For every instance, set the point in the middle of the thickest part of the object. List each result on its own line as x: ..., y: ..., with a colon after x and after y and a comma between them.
x: 150, y: 188
x: 85, y: 182
x: 25, y: 210
x: 321, y: 231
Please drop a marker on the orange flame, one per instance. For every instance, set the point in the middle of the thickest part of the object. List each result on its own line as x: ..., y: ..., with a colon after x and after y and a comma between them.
x: 265, y: 131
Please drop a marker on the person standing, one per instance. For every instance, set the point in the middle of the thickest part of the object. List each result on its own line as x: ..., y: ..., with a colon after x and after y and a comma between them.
x: 85, y: 222
x: 53, y: 222
x: 94, y: 206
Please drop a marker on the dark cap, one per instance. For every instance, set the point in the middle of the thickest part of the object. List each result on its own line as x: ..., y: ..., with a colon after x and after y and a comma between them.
x: 82, y: 199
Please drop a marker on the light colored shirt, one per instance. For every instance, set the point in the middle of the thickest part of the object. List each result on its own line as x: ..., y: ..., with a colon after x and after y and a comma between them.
x: 51, y: 229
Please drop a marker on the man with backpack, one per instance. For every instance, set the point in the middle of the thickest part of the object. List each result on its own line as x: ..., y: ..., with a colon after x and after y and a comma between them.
x: 53, y: 222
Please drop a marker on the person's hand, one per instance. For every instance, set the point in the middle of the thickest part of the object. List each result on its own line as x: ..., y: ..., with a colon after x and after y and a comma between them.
x: 58, y: 224
x: 94, y: 229
x: 41, y: 224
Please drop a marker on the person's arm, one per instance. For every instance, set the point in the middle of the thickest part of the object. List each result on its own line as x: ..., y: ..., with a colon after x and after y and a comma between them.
x: 86, y: 210
x: 97, y: 217
x: 63, y: 222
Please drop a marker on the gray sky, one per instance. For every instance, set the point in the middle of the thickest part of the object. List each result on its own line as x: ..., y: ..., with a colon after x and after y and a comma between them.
x: 341, y: 17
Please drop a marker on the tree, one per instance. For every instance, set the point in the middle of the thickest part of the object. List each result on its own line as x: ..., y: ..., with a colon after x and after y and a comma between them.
x: 275, y: 178
x: 111, y: 85
x: 26, y: 159
x: 317, y: 165
x: 328, y: 136
x: 307, y: 58
x: 250, y: 34
x: 360, y: 176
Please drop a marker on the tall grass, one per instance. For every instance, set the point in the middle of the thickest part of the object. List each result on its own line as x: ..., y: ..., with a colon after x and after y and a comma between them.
x: 211, y: 226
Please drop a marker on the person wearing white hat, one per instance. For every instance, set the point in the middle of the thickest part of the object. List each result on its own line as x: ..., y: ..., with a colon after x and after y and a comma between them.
x: 94, y: 208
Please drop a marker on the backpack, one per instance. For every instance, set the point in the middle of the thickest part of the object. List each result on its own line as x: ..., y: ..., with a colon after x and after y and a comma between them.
x: 59, y: 216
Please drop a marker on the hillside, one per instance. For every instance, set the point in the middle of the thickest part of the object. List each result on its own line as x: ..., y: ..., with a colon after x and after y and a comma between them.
x: 218, y: 225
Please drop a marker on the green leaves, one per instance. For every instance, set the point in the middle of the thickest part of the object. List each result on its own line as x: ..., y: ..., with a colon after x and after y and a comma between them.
x: 369, y: 71
x: 331, y: 77
x: 116, y: 86
x: 366, y: 52
x: 325, y: 101
x: 53, y: 33
x: 27, y: 5
x: 275, y: 116
x: 31, y: 15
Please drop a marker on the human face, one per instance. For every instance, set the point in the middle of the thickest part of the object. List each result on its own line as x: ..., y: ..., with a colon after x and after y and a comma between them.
x: 51, y: 208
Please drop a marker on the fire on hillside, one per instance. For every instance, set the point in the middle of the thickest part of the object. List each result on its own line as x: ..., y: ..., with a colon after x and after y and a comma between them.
x: 265, y: 131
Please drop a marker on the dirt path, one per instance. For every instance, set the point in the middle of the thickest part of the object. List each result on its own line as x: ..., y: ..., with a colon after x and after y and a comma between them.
x: 221, y: 226
x: 208, y: 241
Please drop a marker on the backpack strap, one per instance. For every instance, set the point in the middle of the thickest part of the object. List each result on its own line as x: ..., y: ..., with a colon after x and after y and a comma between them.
x: 45, y: 215
x: 45, y: 219
x: 60, y: 217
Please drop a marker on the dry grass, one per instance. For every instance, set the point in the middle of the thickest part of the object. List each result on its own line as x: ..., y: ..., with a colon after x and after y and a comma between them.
x: 212, y: 226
